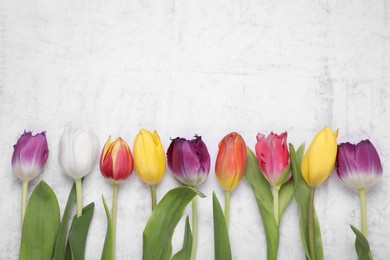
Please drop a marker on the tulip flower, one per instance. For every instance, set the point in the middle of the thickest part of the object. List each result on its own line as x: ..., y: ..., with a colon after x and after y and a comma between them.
x: 78, y: 152
x: 116, y: 164
x: 359, y: 166
x: 230, y: 165
x: 28, y: 159
x: 274, y: 163
x: 317, y: 165
x: 189, y: 162
x: 320, y: 158
x: 149, y: 160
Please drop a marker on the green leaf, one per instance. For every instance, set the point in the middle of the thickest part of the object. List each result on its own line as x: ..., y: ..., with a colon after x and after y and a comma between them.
x: 79, y: 232
x: 221, y: 236
x: 61, y: 242
x: 108, y: 243
x: 361, y: 245
x: 302, y: 197
x: 157, y: 238
x: 40, y: 224
x: 185, y: 252
x: 263, y: 194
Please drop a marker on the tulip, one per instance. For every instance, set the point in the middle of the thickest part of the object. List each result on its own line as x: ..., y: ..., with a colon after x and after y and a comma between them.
x: 320, y: 158
x: 273, y: 158
x: 359, y: 166
x: 28, y: 159
x: 230, y: 165
x: 116, y: 161
x: 317, y: 165
x: 78, y: 152
x: 116, y: 164
x: 189, y: 161
x: 274, y: 163
x: 149, y: 160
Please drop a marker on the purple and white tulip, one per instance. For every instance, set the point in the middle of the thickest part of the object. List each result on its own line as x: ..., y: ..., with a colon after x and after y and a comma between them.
x: 30, y: 155
x: 189, y: 160
x: 358, y: 165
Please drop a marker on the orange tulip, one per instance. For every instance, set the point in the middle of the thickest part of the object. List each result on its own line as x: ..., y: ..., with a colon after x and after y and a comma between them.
x: 231, y: 160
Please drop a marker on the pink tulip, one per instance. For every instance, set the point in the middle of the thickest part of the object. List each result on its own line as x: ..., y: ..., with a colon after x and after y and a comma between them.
x: 273, y: 158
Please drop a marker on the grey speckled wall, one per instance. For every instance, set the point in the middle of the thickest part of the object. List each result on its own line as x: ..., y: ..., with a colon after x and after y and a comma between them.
x: 204, y: 67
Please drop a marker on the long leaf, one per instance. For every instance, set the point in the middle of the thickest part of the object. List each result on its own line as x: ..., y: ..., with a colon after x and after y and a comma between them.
x: 302, y: 197
x: 157, y: 237
x: 108, y: 242
x: 61, y: 241
x: 263, y: 193
x: 221, y: 236
x: 79, y: 232
x: 361, y: 245
x: 40, y: 224
x: 185, y: 252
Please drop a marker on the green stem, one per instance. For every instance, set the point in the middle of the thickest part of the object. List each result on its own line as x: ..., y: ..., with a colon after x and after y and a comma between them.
x: 153, y: 191
x: 79, y: 197
x: 275, y: 193
x: 310, y: 219
x: 362, y: 195
x: 114, y: 206
x: 194, y: 228
x: 24, y: 195
x: 227, y: 208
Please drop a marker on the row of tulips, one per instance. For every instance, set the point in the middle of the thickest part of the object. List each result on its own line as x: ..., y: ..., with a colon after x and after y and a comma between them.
x: 286, y: 173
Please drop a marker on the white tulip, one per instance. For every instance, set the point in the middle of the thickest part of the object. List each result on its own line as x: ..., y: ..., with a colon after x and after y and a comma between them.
x: 78, y: 152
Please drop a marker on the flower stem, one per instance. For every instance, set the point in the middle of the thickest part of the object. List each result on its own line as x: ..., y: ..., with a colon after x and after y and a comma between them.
x: 310, y: 219
x: 114, y: 206
x: 362, y: 195
x: 227, y: 208
x: 24, y: 195
x: 154, y: 201
x: 275, y: 193
x: 79, y: 197
x: 194, y: 228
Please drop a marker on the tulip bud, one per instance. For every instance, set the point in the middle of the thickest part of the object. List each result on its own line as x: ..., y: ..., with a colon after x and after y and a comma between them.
x: 358, y: 165
x: 30, y: 155
x: 149, y: 157
x: 189, y: 160
x: 116, y: 161
x: 78, y: 152
x: 320, y: 158
x: 231, y: 161
x: 273, y: 158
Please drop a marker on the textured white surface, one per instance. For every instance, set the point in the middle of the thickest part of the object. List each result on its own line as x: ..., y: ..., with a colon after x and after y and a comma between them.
x: 204, y: 67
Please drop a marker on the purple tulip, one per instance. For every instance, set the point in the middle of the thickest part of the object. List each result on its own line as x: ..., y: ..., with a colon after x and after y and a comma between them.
x: 30, y: 155
x: 358, y: 165
x: 189, y: 160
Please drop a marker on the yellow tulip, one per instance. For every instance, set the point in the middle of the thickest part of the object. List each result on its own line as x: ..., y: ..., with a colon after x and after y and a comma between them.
x: 320, y: 158
x: 149, y: 157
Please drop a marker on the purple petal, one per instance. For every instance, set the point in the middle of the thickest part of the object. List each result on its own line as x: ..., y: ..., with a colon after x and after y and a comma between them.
x: 345, y: 159
x: 367, y: 158
x: 203, y: 154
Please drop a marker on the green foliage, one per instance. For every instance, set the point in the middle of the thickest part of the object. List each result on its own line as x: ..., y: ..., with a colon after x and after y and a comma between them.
x: 40, y: 224
x: 78, y: 233
x: 302, y: 197
x: 361, y: 245
x: 185, y: 252
x: 221, y: 236
x: 157, y: 238
x: 108, y: 249
x: 61, y: 242
x: 263, y: 194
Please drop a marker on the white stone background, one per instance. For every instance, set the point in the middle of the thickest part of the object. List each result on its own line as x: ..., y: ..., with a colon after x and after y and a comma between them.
x: 204, y: 67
